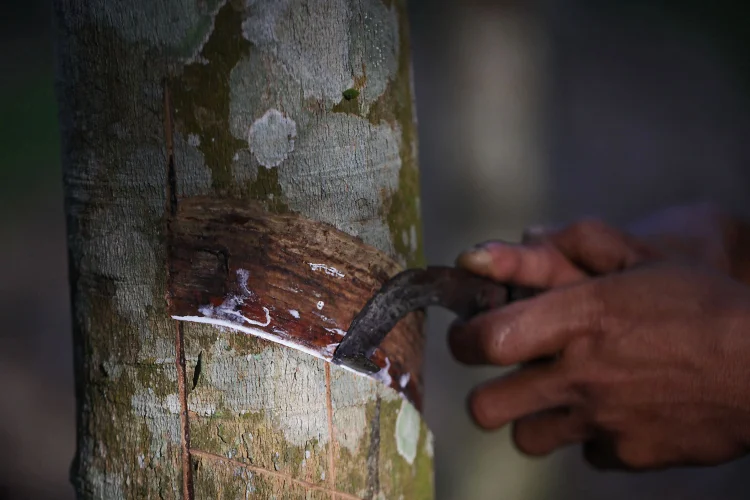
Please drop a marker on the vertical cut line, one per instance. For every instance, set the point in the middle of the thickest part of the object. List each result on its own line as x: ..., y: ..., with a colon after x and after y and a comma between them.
x: 171, y: 171
x: 331, y: 436
x: 187, y: 470
x: 373, y: 454
x: 179, y: 342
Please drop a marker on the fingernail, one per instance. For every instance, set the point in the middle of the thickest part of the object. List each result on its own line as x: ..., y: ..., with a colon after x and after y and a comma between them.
x: 477, y: 258
x: 532, y: 234
x: 537, y: 230
x: 479, y: 246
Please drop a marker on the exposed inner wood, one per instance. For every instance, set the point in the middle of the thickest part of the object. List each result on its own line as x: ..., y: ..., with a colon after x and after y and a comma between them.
x: 298, y: 280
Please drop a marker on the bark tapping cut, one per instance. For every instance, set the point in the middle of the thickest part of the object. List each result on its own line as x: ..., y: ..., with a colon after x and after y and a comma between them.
x: 286, y: 279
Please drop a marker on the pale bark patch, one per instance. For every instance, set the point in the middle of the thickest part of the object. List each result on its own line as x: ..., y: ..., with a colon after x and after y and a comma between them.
x: 309, y: 40
x: 271, y: 138
x: 407, y: 431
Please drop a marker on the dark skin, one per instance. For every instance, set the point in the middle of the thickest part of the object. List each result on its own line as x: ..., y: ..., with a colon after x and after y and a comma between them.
x: 639, y: 348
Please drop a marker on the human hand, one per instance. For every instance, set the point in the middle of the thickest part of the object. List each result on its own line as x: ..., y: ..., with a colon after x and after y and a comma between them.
x: 650, y: 370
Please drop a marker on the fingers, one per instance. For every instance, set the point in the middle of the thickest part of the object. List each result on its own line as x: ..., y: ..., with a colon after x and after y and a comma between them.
x: 526, y: 391
x: 541, y: 434
x: 551, y: 257
x: 529, y: 329
x: 598, y: 248
x: 533, y: 265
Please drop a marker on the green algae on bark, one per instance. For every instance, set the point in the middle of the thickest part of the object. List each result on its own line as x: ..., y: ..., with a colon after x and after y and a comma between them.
x: 201, y: 95
x: 396, y: 106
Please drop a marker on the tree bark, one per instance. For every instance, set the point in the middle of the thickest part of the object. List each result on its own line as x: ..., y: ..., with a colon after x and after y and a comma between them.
x: 239, y: 180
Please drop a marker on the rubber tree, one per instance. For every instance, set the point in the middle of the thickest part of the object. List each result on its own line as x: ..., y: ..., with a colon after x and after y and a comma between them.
x: 240, y: 177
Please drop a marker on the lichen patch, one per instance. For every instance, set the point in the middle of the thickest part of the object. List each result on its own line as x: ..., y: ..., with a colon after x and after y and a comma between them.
x: 271, y: 138
x: 407, y: 431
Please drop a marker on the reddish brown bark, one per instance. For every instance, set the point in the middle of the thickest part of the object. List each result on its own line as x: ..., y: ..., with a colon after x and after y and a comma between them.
x: 218, y: 244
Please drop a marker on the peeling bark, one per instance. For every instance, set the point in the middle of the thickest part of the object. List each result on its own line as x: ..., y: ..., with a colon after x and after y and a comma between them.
x: 292, y: 280
x: 253, y: 166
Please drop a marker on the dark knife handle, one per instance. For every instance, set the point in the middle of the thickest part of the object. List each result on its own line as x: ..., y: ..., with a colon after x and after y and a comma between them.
x: 460, y: 291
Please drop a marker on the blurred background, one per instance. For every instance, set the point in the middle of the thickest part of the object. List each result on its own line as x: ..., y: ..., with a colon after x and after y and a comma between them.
x: 529, y: 112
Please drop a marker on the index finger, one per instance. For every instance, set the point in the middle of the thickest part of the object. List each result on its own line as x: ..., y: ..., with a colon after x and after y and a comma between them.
x: 528, y: 329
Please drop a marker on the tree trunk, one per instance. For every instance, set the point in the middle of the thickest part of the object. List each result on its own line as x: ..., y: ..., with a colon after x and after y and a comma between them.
x: 239, y: 180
